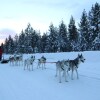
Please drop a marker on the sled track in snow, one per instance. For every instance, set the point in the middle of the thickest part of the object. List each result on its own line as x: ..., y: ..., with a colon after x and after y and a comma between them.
x: 96, y: 78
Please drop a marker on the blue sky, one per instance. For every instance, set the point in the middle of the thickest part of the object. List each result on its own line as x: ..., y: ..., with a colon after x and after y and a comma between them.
x: 16, y: 14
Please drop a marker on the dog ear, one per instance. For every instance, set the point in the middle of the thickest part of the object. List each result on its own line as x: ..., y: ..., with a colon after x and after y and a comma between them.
x: 81, y: 55
x: 78, y: 54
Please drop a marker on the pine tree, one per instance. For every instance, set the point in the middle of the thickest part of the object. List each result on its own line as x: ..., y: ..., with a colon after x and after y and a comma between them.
x: 39, y: 44
x: 33, y: 39
x: 43, y: 42
x: 73, y: 34
x: 94, y: 21
x: 16, y: 38
x: 96, y: 43
x: 63, y: 37
x: 6, y: 46
x: 21, y: 42
x: 36, y: 41
x: 28, y: 38
x: 84, y: 31
x: 48, y: 47
x: 52, y: 38
x: 10, y: 45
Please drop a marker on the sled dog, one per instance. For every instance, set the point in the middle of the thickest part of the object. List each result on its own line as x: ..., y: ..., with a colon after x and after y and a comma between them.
x: 74, y: 64
x: 16, y: 59
x: 62, y: 66
x: 42, y: 62
x: 11, y: 60
x: 29, y: 62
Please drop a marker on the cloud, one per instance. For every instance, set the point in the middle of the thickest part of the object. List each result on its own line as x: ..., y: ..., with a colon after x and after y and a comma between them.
x: 4, y: 33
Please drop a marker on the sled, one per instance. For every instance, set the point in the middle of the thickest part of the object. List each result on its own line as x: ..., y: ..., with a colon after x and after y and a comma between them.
x: 4, y: 61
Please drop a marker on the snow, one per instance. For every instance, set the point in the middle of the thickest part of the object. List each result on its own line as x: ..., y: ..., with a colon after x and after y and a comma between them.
x: 19, y: 84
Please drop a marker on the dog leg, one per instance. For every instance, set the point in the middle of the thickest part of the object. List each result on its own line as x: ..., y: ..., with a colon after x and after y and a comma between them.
x: 32, y: 67
x: 56, y: 71
x: 24, y: 65
x: 77, y: 73
x: 28, y: 67
x: 59, y: 76
x: 42, y: 66
x: 38, y: 66
x: 72, y: 75
x: 65, y: 76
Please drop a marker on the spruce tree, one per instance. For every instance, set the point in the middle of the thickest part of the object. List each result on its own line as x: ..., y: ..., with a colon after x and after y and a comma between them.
x: 45, y: 46
x: 21, y: 42
x: 10, y: 45
x: 73, y: 33
x: 94, y: 21
x: 27, y: 38
x: 6, y: 46
x: 63, y: 36
x: 84, y: 31
x: 52, y: 38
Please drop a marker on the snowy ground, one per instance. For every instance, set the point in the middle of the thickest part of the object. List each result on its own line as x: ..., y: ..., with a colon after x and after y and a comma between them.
x: 19, y: 84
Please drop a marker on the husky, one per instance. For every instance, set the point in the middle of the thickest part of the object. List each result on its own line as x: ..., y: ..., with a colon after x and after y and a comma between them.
x: 16, y: 59
x: 11, y: 60
x: 29, y: 62
x: 42, y: 62
x: 74, y: 64
x: 62, y: 66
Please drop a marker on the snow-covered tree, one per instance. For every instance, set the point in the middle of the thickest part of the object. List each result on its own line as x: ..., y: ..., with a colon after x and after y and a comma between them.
x: 73, y: 33
x: 52, y: 38
x: 6, y: 46
x: 94, y: 21
x: 21, y: 42
x: 16, y: 40
x: 84, y: 31
x: 27, y: 38
x: 34, y: 39
x: 37, y: 42
x: 96, y: 43
x: 10, y: 45
x: 45, y: 47
x: 62, y: 37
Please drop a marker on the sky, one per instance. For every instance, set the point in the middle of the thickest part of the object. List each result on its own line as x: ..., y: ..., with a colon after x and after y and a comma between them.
x: 16, y: 14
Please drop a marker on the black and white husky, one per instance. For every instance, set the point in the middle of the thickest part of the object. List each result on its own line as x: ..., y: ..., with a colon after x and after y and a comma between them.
x: 62, y: 66
x: 74, y: 64
x: 16, y: 59
x: 29, y: 62
x: 12, y: 60
x: 42, y: 62
x: 68, y: 65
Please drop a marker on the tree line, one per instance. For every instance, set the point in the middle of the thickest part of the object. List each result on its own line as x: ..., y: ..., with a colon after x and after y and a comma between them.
x: 61, y: 38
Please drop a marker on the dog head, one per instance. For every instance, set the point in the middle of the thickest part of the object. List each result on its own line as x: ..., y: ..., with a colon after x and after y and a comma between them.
x: 81, y: 58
